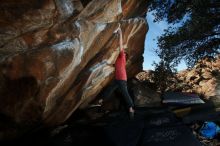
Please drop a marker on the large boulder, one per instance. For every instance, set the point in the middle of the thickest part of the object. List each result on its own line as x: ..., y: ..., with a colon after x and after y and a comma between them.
x: 57, y: 55
x: 203, y: 78
x: 143, y: 95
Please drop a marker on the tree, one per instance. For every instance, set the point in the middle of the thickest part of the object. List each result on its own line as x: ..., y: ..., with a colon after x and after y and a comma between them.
x: 163, y: 76
x: 199, y: 33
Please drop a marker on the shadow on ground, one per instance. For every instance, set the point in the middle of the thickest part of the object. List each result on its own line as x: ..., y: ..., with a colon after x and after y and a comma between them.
x: 150, y: 127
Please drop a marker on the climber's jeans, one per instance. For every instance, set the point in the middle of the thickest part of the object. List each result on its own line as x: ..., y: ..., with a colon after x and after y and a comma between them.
x: 122, y: 86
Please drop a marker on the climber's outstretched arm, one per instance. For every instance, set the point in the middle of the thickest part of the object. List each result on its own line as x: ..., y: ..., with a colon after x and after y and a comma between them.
x: 121, y: 38
x: 119, y: 31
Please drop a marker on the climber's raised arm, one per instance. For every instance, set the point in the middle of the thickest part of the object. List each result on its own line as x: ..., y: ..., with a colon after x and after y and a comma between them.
x: 119, y: 31
x: 121, y: 38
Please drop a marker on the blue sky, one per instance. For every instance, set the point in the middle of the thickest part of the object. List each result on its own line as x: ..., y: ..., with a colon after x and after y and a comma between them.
x: 155, y: 30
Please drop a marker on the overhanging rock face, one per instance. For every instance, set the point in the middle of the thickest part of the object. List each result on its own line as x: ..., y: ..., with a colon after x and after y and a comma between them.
x: 57, y: 55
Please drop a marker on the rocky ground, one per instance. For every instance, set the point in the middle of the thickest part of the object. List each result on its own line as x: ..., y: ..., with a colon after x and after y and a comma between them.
x: 151, y: 126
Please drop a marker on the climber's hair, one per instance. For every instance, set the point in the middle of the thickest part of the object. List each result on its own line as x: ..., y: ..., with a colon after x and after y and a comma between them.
x: 126, y: 55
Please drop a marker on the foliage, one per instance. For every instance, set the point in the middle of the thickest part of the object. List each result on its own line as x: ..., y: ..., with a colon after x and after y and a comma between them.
x: 199, y: 33
x: 163, y: 76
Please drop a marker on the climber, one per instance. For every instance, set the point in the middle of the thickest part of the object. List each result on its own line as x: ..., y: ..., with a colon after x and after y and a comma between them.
x: 120, y: 81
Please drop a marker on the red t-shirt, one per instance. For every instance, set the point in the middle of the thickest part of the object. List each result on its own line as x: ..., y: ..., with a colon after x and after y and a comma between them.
x: 120, y: 67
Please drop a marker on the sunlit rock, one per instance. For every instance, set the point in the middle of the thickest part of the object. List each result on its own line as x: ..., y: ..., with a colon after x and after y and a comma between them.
x: 56, y: 56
